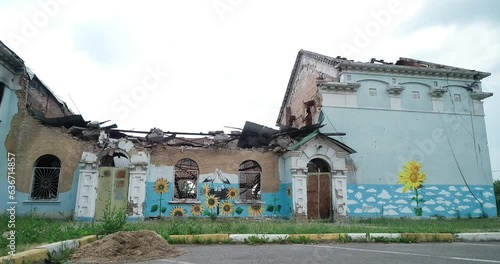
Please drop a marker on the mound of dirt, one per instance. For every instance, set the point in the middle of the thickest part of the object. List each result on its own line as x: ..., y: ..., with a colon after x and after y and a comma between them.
x: 124, y: 246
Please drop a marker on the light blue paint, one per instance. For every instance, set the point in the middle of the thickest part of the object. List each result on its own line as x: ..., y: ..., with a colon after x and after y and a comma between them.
x: 450, y: 201
x: 64, y: 207
x: 8, y: 108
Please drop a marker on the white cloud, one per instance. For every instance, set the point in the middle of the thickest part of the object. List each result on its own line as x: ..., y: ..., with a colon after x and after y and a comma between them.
x: 433, y: 188
x: 489, y: 205
x: 487, y: 194
x: 430, y: 202
x: 370, y: 199
x: 479, y: 188
x: 477, y: 211
x: 464, y: 189
x: 351, y: 202
x: 406, y: 210
x: 371, y: 190
x: 451, y: 212
x: 456, y: 201
x: 463, y: 207
x: 401, y: 201
x: 467, y: 200
x: 452, y: 188
x: 439, y: 208
x: 373, y: 210
x: 430, y: 194
x: 458, y: 194
x: 390, y: 207
x: 400, y: 190
x: 350, y: 191
x: 390, y: 212
x: 358, y: 195
x: 384, y: 195
x: 381, y: 202
x: 361, y: 187
x: 443, y: 192
x: 358, y: 210
x: 426, y: 209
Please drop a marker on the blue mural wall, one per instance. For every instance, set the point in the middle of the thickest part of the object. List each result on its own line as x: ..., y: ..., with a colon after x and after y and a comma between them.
x: 451, y: 201
x: 214, y: 198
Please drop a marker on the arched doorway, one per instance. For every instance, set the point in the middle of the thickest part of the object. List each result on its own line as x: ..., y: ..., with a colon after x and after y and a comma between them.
x: 319, y: 191
x: 112, y: 183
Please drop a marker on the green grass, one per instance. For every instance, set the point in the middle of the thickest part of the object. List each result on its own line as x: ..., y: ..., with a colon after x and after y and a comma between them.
x: 32, y: 230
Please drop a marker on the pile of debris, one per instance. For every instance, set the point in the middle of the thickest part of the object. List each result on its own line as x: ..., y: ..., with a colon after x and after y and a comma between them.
x: 124, y: 246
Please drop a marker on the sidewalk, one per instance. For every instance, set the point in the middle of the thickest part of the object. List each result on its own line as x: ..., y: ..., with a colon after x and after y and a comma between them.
x: 39, y: 254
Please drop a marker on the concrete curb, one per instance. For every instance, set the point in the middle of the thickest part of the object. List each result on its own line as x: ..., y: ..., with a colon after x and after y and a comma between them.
x: 41, y: 253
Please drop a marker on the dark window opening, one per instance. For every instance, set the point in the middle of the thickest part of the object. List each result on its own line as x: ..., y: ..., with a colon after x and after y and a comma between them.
x: 117, y: 159
x: 250, y: 180
x: 318, y: 165
x: 46, y: 178
x: 2, y: 87
x: 186, y: 177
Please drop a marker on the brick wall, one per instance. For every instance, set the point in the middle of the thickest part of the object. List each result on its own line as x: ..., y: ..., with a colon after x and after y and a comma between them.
x: 227, y: 160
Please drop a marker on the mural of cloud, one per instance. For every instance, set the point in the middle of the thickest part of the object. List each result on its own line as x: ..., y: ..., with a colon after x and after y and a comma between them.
x: 406, y: 210
x: 399, y: 190
x: 358, y: 195
x: 381, y: 202
x: 401, y: 201
x: 390, y: 212
x: 390, y: 207
x: 430, y: 202
x: 477, y: 211
x: 371, y: 190
x: 413, y: 204
x: 464, y: 188
x: 440, y: 199
x: 470, y: 196
x: 467, y: 200
x: 487, y: 194
x: 463, y: 207
x: 443, y: 192
x: 434, y: 188
x: 384, y: 195
x: 358, y: 210
x: 350, y: 191
x: 439, y: 208
x: 452, y: 188
x: 371, y: 199
x: 426, y: 209
x: 374, y: 210
x: 351, y: 202
x: 430, y: 193
x: 456, y: 201
x: 361, y: 187
x: 447, y: 203
x: 479, y: 189
x: 458, y: 194
x: 489, y: 205
x: 451, y: 212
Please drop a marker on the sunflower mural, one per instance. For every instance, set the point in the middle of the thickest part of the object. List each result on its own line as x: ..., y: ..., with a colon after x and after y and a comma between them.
x: 211, y: 202
x: 160, y: 187
x: 177, y: 211
x: 232, y: 193
x: 227, y: 208
x: 205, y: 190
x: 196, y: 209
x: 255, y: 209
x: 413, y: 178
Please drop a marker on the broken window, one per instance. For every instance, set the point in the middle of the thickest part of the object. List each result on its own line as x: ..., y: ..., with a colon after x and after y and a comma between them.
x: 115, y: 159
x: 250, y: 180
x: 2, y: 87
x: 186, y: 177
x: 318, y: 165
x: 45, y: 184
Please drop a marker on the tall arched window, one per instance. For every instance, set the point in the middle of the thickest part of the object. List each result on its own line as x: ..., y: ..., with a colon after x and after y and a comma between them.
x: 45, y: 184
x: 250, y: 180
x: 186, y: 177
x: 318, y: 165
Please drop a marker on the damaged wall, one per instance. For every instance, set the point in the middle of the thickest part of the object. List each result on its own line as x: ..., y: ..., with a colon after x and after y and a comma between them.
x: 227, y: 160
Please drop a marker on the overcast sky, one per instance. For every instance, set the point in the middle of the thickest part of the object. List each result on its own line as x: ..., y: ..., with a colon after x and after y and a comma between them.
x: 201, y: 65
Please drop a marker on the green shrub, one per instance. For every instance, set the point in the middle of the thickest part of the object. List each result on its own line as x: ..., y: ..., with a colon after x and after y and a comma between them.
x: 114, y: 220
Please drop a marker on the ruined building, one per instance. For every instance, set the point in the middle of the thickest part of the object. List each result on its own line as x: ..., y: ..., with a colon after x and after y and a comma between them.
x: 346, y: 129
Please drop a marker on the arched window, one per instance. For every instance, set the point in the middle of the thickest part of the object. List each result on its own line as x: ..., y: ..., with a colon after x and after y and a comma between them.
x: 45, y: 184
x: 115, y: 159
x: 318, y: 165
x: 186, y: 177
x: 250, y: 180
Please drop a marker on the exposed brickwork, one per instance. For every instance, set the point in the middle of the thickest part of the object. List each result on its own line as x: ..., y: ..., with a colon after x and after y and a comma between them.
x: 227, y: 160
x: 28, y: 139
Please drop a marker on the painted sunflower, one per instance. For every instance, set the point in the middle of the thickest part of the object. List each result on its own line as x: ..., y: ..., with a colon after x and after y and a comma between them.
x: 205, y: 190
x: 211, y: 202
x: 177, y: 211
x: 289, y: 191
x: 231, y: 193
x: 161, y: 186
x: 227, y: 208
x: 196, y: 209
x: 411, y: 176
x: 255, y: 209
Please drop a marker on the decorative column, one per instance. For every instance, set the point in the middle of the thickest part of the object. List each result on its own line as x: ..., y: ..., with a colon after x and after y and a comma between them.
x: 339, y: 196
x: 87, y: 187
x: 437, y: 98
x: 395, y: 96
x: 299, y: 178
x: 137, y: 184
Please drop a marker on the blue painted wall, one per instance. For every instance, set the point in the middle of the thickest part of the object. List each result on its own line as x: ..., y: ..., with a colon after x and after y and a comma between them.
x: 8, y: 108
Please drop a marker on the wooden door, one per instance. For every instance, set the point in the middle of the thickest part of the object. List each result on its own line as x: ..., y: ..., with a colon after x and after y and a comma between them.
x: 319, y: 195
x: 112, y: 188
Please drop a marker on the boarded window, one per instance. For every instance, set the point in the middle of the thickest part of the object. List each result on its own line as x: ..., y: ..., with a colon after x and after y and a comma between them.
x: 45, y: 184
x: 186, y: 177
x: 250, y: 180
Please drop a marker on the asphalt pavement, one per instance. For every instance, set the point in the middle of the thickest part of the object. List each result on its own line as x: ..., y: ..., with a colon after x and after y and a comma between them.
x: 421, y: 253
